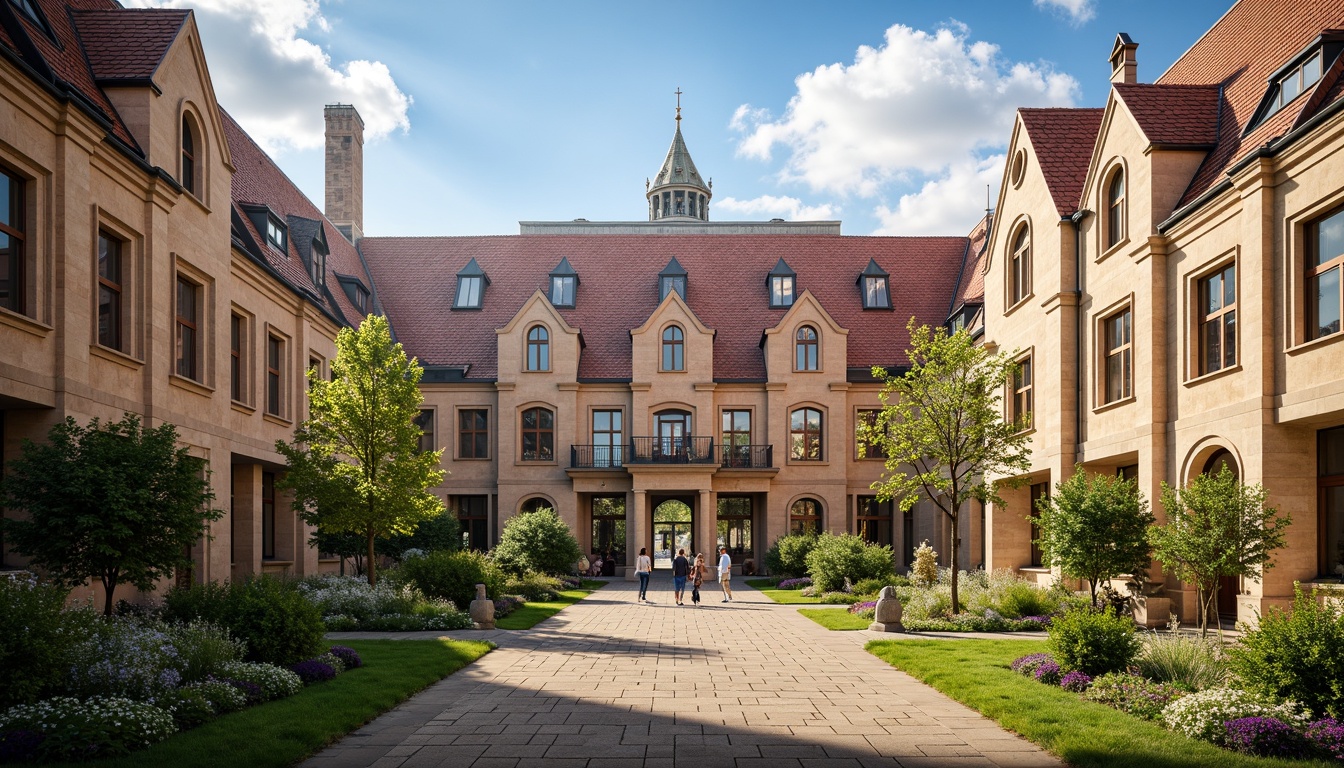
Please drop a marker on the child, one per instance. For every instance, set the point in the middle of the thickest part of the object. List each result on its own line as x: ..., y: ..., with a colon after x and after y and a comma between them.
x: 697, y: 578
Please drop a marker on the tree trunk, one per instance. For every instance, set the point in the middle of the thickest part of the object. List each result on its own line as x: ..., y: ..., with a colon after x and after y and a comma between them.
x: 109, y: 588
x: 1203, y: 610
x: 1093, y: 583
x: 372, y: 569
x: 952, y: 561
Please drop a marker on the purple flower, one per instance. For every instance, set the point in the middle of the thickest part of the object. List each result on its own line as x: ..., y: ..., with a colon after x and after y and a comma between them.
x: 1044, y: 621
x: 805, y: 581
x: 1026, y: 665
x: 348, y: 656
x: 312, y: 671
x: 250, y: 690
x: 1266, y: 737
x: 1047, y: 673
x: 1327, y: 736
x: 868, y: 605
x: 1075, y: 682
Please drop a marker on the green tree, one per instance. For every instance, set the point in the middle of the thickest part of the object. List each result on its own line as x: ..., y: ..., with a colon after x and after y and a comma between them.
x: 1217, y: 526
x: 355, y: 464
x: 537, y: 541
x: 442, y: 532
x: 112, y: 501
x: 1095, y: 528
x: 942, y: 429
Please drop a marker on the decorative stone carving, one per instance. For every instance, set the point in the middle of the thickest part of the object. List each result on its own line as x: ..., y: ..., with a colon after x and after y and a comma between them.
x: 887, y: 615
x: 482, y: 610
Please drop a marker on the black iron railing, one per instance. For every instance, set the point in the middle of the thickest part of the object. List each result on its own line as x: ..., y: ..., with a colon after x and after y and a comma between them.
x: 596, y: 456
x: 746, y: 456
x: 671, y: 450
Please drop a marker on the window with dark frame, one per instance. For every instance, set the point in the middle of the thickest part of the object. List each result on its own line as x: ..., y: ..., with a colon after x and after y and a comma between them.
x: 781, y: 290
x: 109, y: 291
x: 468, y: 292
x: 1023, y: 404
x: 1330, y: 493
x: 868, y: 417
x: 1294, y: 83
x: 473, y: 518
x: 1118, y: 332
x: 734, y: 526
x: 319, y: 264
x: 736, y: 437
x: 674, y: 349
x: 674, y: 283
x: 1324, y: 275
x: 608, y: 523
x: 1115, y: 209
x: 13, y: 264
x: 1039, y: 492
x: 805, y: 349
x: 875, y: 293
x: 805, y: 434
x: 874, y: 520
x: 562, y: 290
x: 275, y: 375
x: 608, y: 438
x: 275, y: 233
x: 538, y: 349
x: 908, y: 537
x: 473, y: 433
x: 268, y: 515
x: 237, y: 337
x: 187, y: 327
x: 1020, y: 266
x: 538, y: 442
x: 188, y: 156
x: 805, y: 516
x: 425, y: 421
x: 1218, y: 320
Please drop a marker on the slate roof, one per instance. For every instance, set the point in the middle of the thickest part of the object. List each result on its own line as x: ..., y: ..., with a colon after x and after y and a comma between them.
x: 1253, y: 40
x: 678, y: 168
x: 1063, y: 139
x: 1181, y: 115
x: 127, y: 44
x: 416, y: 278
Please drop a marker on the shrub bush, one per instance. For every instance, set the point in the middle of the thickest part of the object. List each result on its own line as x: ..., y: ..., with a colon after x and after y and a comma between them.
x: 839, y: 598
x: 835, y: 560
x: 1096, y: 643
x: 331, y: 660
x: 1026, y: 665
x: 1075, y: 682
x: 1048, y: 673
x: 925, y: 569
x: 223, y: 696
x: 349, y: 656
x: 188, y: 706
x: 537, y: 541
x: 1190, y: 662
x: 534, y: 587
x: 1327, y: 737
x: 274, y: 682
x: 275, y: 620
x: 452, y: 576
x: 313, y: 671
x: 354, y: 597
x: 36, y: 638
x: 203, y: 649
x: 1133, y: 694
x: 798, y: 583
x: 1205, y: 715
x: 969, y: 622
x: 123, y: 658
x: 787, y: 557
x: 1266, y: 737
x: 1297, y: 655
x: 83, y: 730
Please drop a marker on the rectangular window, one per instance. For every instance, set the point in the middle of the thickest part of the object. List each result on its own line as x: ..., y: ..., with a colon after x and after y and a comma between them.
x: 875, y: 293
x: 1039, y: 491
x: 473, y: 517
x: 468, y: 293
x: 1022, y: 394
x: 1324, y: 286
x: 187, y: 339
x: 13, y: 272
x: 562, y: 291
x: 275, y: 233
x: 781, y: 291
x: 734, y: 526
x: 908, y: 537
x: 1218, y: 320
x: 268, y: 515
x: 1118, y: 364
x: 275, y: 375
x: 473, y: 433
x: 425, y: 421
x: 736, y: 438
x: 670, y: 284
x: 237, y: 359
x: 609, y: 528
x: 1330, y: 488
x: 874, y: 520
x: 608, y: 438
x: 870, y: 449
x: 109, y: 291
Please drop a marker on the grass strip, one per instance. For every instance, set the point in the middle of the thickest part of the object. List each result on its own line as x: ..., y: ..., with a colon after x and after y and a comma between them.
x: 836, y: 618
x: 531, y: 614
x: 781, y: 596
x: 1084, y: 734
x: 281, y: 733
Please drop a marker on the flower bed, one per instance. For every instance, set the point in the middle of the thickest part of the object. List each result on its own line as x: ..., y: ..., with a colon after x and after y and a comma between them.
x: 798, y: 583
x: 350, y: 604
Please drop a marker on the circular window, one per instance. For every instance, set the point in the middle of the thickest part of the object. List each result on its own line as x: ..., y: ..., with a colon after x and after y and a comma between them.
x: 1019, y: 167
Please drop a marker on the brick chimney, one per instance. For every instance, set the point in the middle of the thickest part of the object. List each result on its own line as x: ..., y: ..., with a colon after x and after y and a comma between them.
x: 1124, y: 62
x: 345, y: 170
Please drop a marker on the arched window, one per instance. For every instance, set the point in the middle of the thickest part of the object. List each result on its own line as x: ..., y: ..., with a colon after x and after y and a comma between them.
x: 1221, y: 458
x: 805, y: 435
x: 805, y: 516
x: 538, y: 349
x: 1019, y: 279
x: 1115, y: 208
x: 188, y: 156
x: 805, y: 349
x: 538, y: 434
x: 674, y: 349
x: 534, y: 504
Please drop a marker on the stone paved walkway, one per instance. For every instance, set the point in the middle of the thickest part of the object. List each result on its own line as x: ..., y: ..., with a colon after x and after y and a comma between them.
x: 611, y: 683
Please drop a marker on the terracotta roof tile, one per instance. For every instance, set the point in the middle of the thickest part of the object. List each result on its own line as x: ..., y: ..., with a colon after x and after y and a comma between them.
x: 1174, y: 114
x: 617, y: 291
x: 127, y: 44
x: 972, y: 287
x: 1063, y: 139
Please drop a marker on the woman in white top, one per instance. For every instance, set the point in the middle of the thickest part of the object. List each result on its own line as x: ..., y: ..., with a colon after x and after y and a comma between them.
x: 643, y: 568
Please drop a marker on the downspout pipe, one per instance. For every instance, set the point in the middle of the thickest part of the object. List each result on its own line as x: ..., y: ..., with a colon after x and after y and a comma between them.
x: 1077, y: 221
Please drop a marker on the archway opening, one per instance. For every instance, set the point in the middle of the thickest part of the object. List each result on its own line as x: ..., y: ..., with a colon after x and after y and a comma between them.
x: 673, y: 522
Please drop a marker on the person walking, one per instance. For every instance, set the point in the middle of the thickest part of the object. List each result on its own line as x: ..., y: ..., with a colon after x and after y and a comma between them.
x: 643, y: 568
x: 697, y: 578
x: 725, y: 574
x: 681, y: 568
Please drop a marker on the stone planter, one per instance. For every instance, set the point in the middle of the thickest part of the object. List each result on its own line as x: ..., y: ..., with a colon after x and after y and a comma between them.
x: 1152, y: 611
x: 482, y: 610
x: 887, y: 614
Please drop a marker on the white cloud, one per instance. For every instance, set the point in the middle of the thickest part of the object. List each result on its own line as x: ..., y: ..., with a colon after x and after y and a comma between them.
x: 911, y: 108
x: 947, y: 205
x: 770, y: 206
x: 1079, y: 11
x: 275, y: 82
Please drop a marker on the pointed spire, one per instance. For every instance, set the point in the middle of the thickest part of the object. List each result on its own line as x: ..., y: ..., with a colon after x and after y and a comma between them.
x: 678, y: 191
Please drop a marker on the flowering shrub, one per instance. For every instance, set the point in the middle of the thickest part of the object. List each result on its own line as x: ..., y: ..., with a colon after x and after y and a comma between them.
x: 534, y: 587
x: 349, y: 656
x: 1092, y: 642
x: 506, y: 604
x: 866, y: 608
x: 188, y: 707
x: 1047, y: 673
x: 124, y: 658
x: 312, y: 671
x: 349, y: 604
x: 1026, y: 665
x: 252, y: 692
x: 1327, y: 736
x: 82, y: 730
x: 222, y: 695
x: 331, y: 660
x: 36, y: 637
x: 203, y: 648
x: 967, y: 622
x: 810, y: 591
x: 274, y: 682
x: 838, y: 598
x: 798, y: 583
x: 1204, y: 715
x: 1266, y: 737
x: 1075, y: 682
x: 1132, y: 694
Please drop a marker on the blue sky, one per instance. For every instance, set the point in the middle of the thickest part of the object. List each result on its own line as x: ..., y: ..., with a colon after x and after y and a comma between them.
x: 484, y: 114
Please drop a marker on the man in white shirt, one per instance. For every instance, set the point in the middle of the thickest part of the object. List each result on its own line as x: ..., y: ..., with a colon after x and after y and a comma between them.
x: 725, y: 574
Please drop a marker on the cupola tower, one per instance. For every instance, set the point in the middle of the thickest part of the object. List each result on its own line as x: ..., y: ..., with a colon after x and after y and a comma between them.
x: 678, y: 193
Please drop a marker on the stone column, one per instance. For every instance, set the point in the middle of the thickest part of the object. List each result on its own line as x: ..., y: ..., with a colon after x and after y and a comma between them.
x: 707, y: 526
x: 637, y: 531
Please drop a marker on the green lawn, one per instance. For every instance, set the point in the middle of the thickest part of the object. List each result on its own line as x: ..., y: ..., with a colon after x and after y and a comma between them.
x: 281, y: 733
x: 783, y: 596
x: 531, y: 614
x: 1084, y: 734
x: 835, y: 618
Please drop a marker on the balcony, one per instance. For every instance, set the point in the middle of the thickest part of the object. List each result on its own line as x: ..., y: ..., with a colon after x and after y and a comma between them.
x: 671, y: 450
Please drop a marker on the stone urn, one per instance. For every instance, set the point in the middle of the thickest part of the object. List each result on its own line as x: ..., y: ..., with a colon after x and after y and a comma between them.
x: 887, y: 615
x: 483, y: 610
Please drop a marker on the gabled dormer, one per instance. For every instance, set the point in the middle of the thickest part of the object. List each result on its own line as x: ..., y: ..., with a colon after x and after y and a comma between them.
x: 356, y: 291
x: 783, y: 284
x: 672, y: 279
x: 1298, y: 76
x: 273, y: 230
x: 471, y: 285
x: 564, y: 284
x: 310, y: 241
x: 874, y: 286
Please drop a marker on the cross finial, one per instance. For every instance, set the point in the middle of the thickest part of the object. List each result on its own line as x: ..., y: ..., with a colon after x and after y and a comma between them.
x: 678, y: 105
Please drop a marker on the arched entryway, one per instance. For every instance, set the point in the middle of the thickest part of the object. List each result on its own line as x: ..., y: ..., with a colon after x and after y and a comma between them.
x: 673, y: 523
x: 1228, y: 586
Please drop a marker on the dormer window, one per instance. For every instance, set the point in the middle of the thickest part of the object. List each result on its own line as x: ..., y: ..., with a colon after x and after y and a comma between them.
x: 672, y: 278
x: 361, y: 300
x: 471, y: 283
x: 319, y: 263
x: 564, y: 284
x: 782, y: 282
x: 275, y: 233
x: 1298, y: 80
x: 28, y: 9
x: 1295, y: 79
x: 876, y: 292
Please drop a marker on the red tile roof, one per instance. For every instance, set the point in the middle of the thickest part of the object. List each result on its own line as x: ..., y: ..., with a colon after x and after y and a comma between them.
x: 1174, y: 114
x: 1253, y: 40
x: 127, y: 44
x: 1063, y: 139
x: 972, y: 287
x: 617, y: 291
